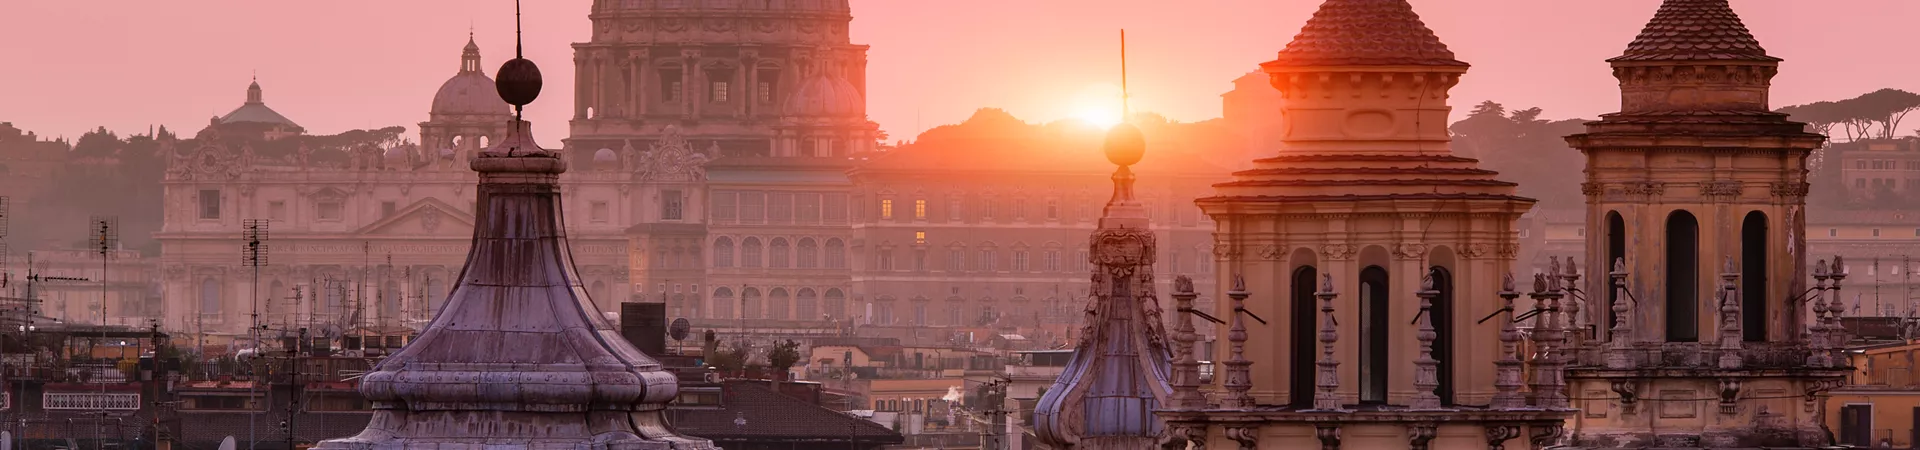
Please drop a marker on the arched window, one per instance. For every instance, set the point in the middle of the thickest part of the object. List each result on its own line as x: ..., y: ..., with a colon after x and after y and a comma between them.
x: 722, y: 303
x: 1374, y: 327
x: 723, y: 252
x: 836, y: 304
x: 209, y: 297
x: 777, y: 304
x: 805, y: 306
x: 750, y: 304
x: 1442, y: 314
x: 678, y: 304
x: 1305, y: 341
x: 809, y: 255
x: 1683, y: 280
x: 750, y: 253
x: 1616, y: 250
x: 836, y: 254
x: 777, y: 254
x: 1753, y: 277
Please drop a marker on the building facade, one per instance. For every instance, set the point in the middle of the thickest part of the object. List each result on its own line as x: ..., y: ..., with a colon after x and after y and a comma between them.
x: 355, y: 237
x: 1696, y: 215
x: 1363, y: 223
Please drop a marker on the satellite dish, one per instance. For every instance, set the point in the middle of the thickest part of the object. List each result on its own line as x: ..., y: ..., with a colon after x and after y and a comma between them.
x: 227, y: 444
x: 678, y: 331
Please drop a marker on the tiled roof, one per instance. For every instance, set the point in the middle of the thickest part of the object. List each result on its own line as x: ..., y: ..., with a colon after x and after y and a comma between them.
x: 770, y: 415
x: 1366, y: 33
x: 1695, y: 30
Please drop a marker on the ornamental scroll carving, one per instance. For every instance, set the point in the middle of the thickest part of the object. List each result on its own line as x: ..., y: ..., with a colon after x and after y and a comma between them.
x: 1499, y: 434
x: 1338, y: 252
x: 1410, y: 250
x: 1720, y: 189
x: 672, y: 159
x: 1248, y: 437
x: 1420, y: 435
x: 1790, y: 190
x: 1591, y: 189
x: 1654, y: 188
x: 1271, y: 252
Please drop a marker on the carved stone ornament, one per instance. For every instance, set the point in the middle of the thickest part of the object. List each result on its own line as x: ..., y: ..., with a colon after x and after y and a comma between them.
x: 1185, y: 437
x: 1420, y: 435
x: 1790, y: 190
x: 1499, y: 434
x: 1729, y: 395
x: 1338, y: 252
x: 1329, y: 435
x: 1270, y: 252
x: 1127, y: 248
x: 1507, y: 251
x: 1653, y: 188
x: 1593, y: 189
x: 1715, y: 189
x: 672, y: 159
x: 1410, y: 250
x: 176, y: 272
x: 1248, y: 437
x: 1545, y: 435
x: 1628, y: 397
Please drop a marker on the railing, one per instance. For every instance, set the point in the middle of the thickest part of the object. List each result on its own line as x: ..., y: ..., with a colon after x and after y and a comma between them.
x: 1702, y: 355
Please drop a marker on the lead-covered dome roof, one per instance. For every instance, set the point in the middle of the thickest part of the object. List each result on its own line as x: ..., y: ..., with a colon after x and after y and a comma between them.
x: 470, y: 92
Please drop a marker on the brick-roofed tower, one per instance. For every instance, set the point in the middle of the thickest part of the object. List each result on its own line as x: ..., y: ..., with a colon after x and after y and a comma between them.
x: 1696, y: 199
x: 1363, y: 223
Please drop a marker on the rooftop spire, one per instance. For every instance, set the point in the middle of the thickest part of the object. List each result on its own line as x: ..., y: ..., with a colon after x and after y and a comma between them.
x: 1695, y: 30
x: 253, y: 90
x: 470, y: 56
x: 1366, y: 33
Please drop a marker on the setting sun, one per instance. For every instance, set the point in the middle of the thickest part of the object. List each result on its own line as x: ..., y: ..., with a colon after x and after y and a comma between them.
x: 1099, y: 105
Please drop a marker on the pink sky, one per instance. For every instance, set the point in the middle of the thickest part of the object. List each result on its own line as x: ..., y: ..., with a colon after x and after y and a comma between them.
x: 344, y: 64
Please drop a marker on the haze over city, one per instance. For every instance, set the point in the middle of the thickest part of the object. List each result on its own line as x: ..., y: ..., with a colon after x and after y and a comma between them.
x: 340, y: 65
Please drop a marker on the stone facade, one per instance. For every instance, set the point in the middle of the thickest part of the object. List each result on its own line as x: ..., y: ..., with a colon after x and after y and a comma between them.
x: 1364, y: 223
x: 1697, y: 209
x: 378, y: 231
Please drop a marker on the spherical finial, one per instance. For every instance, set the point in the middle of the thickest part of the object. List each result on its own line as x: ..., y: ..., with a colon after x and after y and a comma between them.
x: 1125, y: 145
x: 518, y: 82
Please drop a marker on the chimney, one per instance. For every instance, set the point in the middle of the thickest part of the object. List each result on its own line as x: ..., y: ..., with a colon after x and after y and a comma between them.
x: 645, y: 326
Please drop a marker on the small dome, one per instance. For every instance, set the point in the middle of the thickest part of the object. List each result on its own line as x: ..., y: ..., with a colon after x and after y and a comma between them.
x: 825, y: 95
x: 469, y: 93
x: 605, y: 155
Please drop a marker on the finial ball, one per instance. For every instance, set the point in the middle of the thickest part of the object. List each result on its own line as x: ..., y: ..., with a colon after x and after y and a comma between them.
x: 518, y: 82
x: 1125, y: 145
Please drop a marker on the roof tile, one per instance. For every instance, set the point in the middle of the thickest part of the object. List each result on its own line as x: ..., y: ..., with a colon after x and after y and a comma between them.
x: 1695, y: 30
x: 1366, y: 33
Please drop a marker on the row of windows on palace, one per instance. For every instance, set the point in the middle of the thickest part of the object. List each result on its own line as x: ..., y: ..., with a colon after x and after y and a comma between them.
x: 771, y: 207
x: 804, y: 304
x: 779, y: 253
x: 1885, y: 183
x: 1882, y: 164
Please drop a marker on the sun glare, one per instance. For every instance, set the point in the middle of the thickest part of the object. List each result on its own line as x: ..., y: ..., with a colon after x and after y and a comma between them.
x: 1099, y: 105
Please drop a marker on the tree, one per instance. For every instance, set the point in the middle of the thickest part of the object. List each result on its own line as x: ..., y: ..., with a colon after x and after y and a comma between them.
x: 1525, y: 149
x: 783, y: 356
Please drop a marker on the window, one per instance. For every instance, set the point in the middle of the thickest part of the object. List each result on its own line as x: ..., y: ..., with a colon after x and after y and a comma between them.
x: 1080, y: 261
x: 777, y: 254
x: 953, y: 209
x: 1020, y: 260
x: 670, y: 85
x: 956, y: 261
x: 986, y: 209
x: 1374, y: 327
x: 836, y: 304
x: 1524, y: 233
x: 1020, y: 209
x: 987, y: 260
x: 1835, y: 232
x: 277, y: 210
x: 719, y: 92
x: 331, y: 210
x: 1053, y: 209
x: 1683, y: 282
x: 1305, y: 346
x: 724, y: 206
x: 1862, y: 165
x: 1876, y: 232
x: 920, y: 260
x: 780, y: 207
x: 210, y: 204
x: 809, y: 256
x: 673, y: 205
x: 1582, y: 232
x: 750, y: 253
x: 884, y: 260
x: 1860, y: 183
x: 765, y: 92
x: 777, y: 304
x: 753, y: 207
x: 956, y: 314
x: 1053, y: 260
x: 886, y: 209
x: 836, y: 254
x: 723, y: 252
x: 209, y: 297
x: 597, y: 212
x: 387, y: 209
x: 920, y: 238
x: 1441, y: 313
x: 723, y: 303
x: 807, y: 205
x: 1753, y: 277
x: 834, y: 208
x: 750, y: 304
x: 920, y: 210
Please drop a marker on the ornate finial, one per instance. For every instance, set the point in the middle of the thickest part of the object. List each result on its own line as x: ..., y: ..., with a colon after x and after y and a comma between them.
x: 1820, y: 268
x: 1553, y: 266
x: 1426, y: 281
x: 519, y: 79
x: 1539, y: 283
x: 1573, y: 268
x: 1239, y: 283
x: 1619, y: 265
x: 1506, y: 283
x: 1729, y: 267
x: 1326, y: 282
x: 1182, y: 284
x: 1839, y: 267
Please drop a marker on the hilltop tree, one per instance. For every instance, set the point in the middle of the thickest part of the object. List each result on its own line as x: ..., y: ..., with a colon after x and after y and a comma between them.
x: 1525, y: 149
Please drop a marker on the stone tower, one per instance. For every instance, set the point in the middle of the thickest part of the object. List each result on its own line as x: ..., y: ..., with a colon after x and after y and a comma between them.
x: 1105, y: 398
x: 467, y: 116
x: 1696, y: 198
x: 1362, y: 224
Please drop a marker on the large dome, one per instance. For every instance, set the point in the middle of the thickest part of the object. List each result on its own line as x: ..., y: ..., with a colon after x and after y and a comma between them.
x: 832, y: 6
x: 824, y: 95
x: 471, y: 92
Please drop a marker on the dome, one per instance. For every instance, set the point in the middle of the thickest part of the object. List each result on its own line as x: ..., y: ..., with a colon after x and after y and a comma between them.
x: 605, y: 156
x: 839, y: 6
x: 471, y: 92
x: 826, y: 96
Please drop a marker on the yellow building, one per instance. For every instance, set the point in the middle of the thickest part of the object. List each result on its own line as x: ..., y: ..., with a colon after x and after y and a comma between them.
x: 1881, y: 398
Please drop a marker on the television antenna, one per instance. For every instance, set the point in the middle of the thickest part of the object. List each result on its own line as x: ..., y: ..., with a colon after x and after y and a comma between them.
x: 254, y: 254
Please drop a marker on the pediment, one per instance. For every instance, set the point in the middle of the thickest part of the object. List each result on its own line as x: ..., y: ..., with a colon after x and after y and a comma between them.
x: 328, y: 194
x: 426, y: 217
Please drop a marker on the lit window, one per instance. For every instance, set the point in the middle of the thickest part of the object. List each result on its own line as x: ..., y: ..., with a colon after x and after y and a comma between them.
x: 920, y: 209
x: 886, y: 209
x: 920, y: 237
